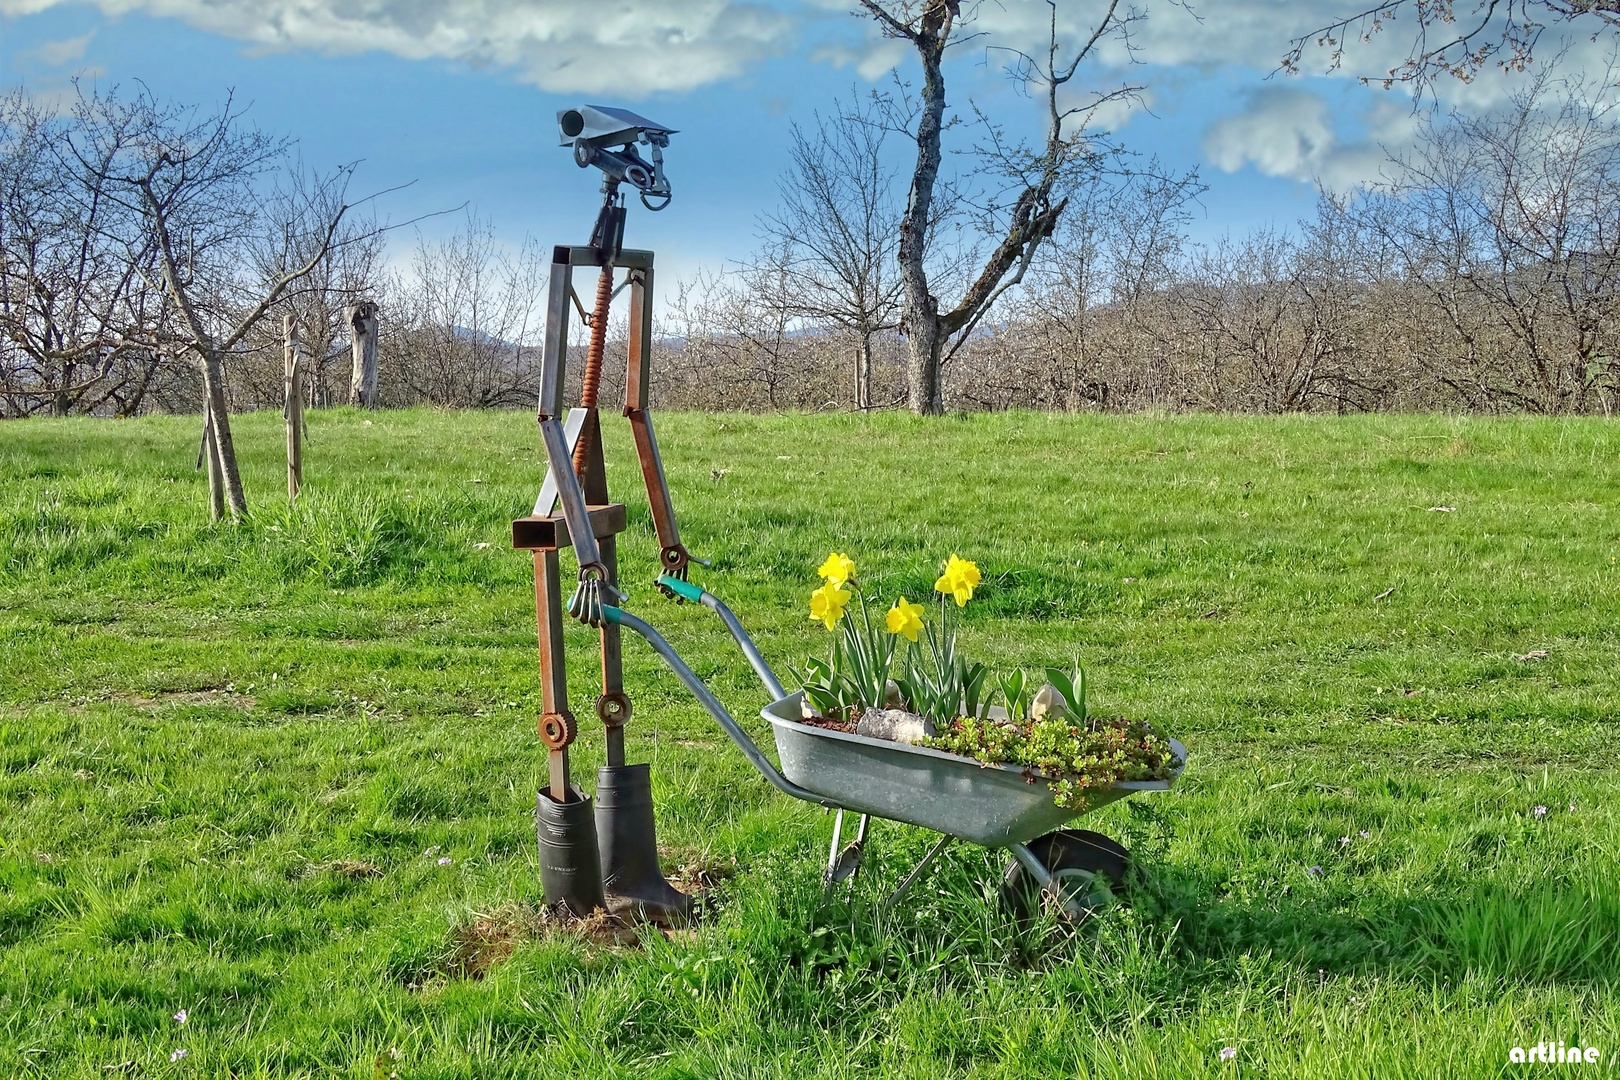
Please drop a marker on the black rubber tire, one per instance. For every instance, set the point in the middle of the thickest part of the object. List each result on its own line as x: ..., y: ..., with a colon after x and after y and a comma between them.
x: 1091, y: 867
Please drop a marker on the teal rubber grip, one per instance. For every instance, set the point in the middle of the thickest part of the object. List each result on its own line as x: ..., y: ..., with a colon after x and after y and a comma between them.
x: 681, y: 588
x: 611, y: 614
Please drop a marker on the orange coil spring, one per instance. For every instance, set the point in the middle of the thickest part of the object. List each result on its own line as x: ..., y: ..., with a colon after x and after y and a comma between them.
x: 593, y: 363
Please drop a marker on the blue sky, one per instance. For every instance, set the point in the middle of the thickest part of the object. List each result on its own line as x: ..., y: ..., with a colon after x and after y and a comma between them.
x: 460, y: 95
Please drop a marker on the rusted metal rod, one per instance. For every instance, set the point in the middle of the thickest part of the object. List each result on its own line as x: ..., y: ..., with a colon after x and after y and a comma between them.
x: 593, y: 364
x: 557, y: 726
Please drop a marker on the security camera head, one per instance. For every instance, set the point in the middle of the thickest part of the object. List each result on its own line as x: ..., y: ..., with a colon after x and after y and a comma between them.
x: 594, y: 131
x: 606, y: 126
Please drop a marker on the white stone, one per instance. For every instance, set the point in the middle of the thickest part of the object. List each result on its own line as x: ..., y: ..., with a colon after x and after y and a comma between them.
x: 894, y: 725
x: 1047, y: 700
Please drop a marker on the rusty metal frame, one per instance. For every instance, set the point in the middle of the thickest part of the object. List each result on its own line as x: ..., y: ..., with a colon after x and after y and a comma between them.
x: 557, y: 728
x: 613, y: 719
x: 638, y: 346
x: 573, y: 507
x: 554, y: 350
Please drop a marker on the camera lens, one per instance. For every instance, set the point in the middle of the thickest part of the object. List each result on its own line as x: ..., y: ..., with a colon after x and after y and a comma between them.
x: 573, y: 122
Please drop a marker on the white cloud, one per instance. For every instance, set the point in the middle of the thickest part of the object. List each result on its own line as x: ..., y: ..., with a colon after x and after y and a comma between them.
x: 1245, y: 34
x: 634, y: 47
x: 630, y: 47
x: 871, y: 60
x: 1251, y: 33
x: 1171, y: 36
x: 57, y: 53
x: 1288, y: 131
x: 1284, y: 132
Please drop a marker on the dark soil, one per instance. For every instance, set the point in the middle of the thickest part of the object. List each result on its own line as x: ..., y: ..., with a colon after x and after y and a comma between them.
x: 846, y: 726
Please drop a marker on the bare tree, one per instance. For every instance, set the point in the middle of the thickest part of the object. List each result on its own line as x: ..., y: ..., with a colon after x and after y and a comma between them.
x: 1023, y: 209
x: 1483, y: 275
x: 727, y: 341
x: 1451, y: 42
x: 830, y: 247
x: 1509, y: 223
x: 349, y: 273
x: 345, y: 277
x: 78, y: 323
x: 466, y: 319
x: 226, y: 245
x: 1118, y: 248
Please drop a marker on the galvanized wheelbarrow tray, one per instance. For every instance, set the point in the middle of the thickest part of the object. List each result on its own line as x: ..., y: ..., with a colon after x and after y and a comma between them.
x: 989, y: 804
x: 997, y: 806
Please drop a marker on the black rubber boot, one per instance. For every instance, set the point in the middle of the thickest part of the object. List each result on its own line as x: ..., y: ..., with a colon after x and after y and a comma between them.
x: 570, y: 869
x: 624, y: 821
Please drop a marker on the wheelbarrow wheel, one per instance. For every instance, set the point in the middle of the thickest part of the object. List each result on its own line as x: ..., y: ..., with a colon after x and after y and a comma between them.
x: 1088, y: 871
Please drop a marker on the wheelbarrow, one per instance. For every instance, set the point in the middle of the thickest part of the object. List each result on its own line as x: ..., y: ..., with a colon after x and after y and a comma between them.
x: 994, y: 805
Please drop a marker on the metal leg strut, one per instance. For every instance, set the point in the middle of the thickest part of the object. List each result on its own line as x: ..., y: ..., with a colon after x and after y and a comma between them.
x: 915, y: 874
x: 843, y: 865
x: 832, y: 852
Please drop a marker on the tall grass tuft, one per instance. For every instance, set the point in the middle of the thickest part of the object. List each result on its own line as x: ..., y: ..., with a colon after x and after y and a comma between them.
x: 346, y: 539
x: 88, y: 520
x: 1553, y: 931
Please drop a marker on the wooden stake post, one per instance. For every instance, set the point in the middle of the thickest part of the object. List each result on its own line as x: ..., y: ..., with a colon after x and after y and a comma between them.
x: 292, y: 363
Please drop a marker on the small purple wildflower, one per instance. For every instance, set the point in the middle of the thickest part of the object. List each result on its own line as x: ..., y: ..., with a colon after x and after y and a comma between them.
x: 1364, y: 834
x: 1344, y: 839
x: 434, y: 850
x: 1315, y: 871
x: 1572, y: 808
x: 181, y: 1016
x: 1540, y: 811
x: 177, y: 1055
x: 446, y: 861
x: 1228, y: 1053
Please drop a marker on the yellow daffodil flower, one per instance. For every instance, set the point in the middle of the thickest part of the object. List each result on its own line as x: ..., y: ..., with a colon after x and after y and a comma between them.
x: 838, y: 568
x: 827, y: 604
x: 959, y: 579
x: 904, y: 618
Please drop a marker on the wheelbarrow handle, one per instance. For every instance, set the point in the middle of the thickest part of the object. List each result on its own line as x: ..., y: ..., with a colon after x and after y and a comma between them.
x: 755, y: 756
x: 689, y: 591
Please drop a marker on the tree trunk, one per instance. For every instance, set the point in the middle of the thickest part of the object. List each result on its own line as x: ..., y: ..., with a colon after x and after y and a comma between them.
x: 863, y: 372
x: 213, y: 373
x: 920, y: 320
x: 363, y: 338
x: 292, y: 363
x: 925, y: 339
x: 1031, y: 218
x: 210, y: 455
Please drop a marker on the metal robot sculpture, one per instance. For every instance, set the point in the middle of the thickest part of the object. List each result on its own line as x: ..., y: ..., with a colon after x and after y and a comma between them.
x: 610, y: 846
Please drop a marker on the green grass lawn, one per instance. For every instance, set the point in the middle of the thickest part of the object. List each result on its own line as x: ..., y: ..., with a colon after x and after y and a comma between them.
x: 210, y: 734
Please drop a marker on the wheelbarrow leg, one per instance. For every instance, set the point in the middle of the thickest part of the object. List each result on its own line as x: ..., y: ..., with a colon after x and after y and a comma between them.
x: 1034, y: 868
x: 844, y: 865
x: 1032, y: 865
x: 858, y: 847
x: 832, y: 852
x: 933, y: 852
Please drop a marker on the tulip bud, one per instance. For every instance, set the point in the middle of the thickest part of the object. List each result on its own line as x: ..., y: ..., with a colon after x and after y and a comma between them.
x: 1046, y: 700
